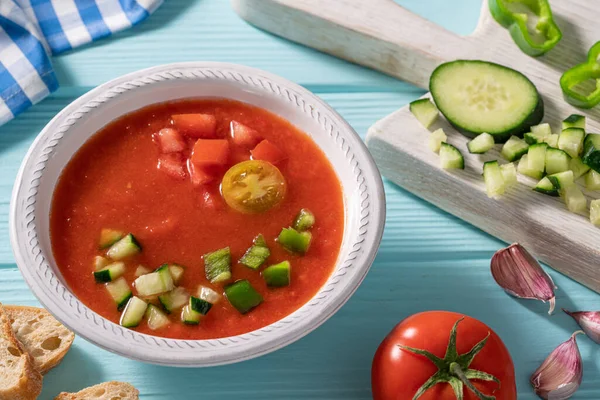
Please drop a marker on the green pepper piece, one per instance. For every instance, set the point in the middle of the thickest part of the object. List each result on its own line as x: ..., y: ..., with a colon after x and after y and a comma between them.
x: 579, y: 74
x: 530, y: 23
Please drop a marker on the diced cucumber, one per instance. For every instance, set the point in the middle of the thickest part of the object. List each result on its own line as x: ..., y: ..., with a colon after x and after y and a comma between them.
x: 304, y: 220
x: 591, y: 151
x: 120, y: 292
x: 552, y: 140
x: 217, y: 265
x: 546, y: 187
x: 108, y: 237
x: 156, y: 318
x: 562, y: 180
x: 578, y: 167
x: 199, y: 305
x: 278, y: 275
x: 482, y: 143
x: 451, y: 157
x: 174, y: 299
x: 134, y: 312
x: 514, y: 149
x: 424, y: 111
x: 243, y: 296
x: 509, y: 173
x: 574, y: 121
x: 110, y: 273
x: 536, y: 157
x: 478, y: 96
x: 523, y: 168
x: 556, y: 160
x: 436, y: 139
x: 538, y: 134
x: 571, y: 141
x: 128, y: 246
x: 141, y: 270
x: 494, y: 181
x: 100, y: 262
x: 189, y: 316
x: 294, y: 241
x: 175, y: 270
x: 257, y: 254
x: 592, y: 180
x: 574, y: 199
x: 595, y: 212
x: 208, y: 294
x: 157, y: 282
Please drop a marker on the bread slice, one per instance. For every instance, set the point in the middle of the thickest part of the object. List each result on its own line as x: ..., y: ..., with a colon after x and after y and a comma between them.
x: 43, y: 337
x: 19, y: 380
x: 103, y: 391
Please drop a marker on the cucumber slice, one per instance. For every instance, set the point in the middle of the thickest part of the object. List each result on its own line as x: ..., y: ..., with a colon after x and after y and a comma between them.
x: 174, y: 299
x: 278, y: 275
x: 481, y: 143
x: 294, y: 241
x: 514, y: 149
x: 571, y: 141
x: 100, y: 262
x: 156, y: 318
x: 556, y: 161
x: 108, y: 237
x: 175, y: 270
x: 424, y: 111
x: 523, y: 168
x: 128, y: 246
x: 199, y: 305
x: 538, y: 134
x: 217, y: 265
x: 509, y: 173
x: 243, y: 296
x: 303, y: 221
x: 141, y: 270
x: 110, y: 273
x: 478, y: 96
x: 578, y: 167
x: 546, y: 187
x: 574, y: 199
x: 562, y: 180
x: 574, y: 121
x: 536, y: 157
x: 436, y: 139
x: 189, y: 316
x: 451, y: 157
x: 157, y: 282
x: 595, y: 212
x: 120, y: 292
x: 552, y: 140
x: 591, y: 151
x: 134, y: 312
x: 494, y: 181
x: 257, y: 254
x: 592, y: 180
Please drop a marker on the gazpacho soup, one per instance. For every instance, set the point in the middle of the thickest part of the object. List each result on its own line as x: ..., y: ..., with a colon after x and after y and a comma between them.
x: 197, y: 219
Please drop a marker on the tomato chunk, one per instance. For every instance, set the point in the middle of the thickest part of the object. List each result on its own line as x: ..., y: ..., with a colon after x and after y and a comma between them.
x: 199, y: 175
x: 196, y: 125
x: 209, y: 152
x: 243, y: 135
x: 267, y: 151
x: 170, y: 141
x: 173, y: 165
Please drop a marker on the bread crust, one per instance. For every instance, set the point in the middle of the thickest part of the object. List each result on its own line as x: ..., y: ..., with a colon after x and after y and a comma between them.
x: 103, y: 391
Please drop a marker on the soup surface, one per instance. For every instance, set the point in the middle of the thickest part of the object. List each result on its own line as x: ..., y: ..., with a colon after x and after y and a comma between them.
x: 126, y: 178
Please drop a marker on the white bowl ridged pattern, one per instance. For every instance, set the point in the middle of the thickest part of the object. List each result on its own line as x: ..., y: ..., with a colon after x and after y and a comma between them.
x: 364, y: 202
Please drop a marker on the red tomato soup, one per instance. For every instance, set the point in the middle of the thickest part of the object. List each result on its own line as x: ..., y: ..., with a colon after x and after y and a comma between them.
x: 167, y: 188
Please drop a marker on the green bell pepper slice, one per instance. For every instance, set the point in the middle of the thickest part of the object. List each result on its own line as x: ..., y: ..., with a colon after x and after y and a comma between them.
x: 589, y: 70
x: 530, y: 23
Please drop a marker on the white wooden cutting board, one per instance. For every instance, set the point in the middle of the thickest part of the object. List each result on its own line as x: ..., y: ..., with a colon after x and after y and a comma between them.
x: 382, y: 35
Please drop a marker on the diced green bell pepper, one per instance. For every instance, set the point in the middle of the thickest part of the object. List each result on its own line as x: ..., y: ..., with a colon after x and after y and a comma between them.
x: 589, y: 70
x: 294, y: 241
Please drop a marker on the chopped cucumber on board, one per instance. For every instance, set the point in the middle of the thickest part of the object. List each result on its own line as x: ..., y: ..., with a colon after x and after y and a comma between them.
x: 595, y: 212
x: 591, y: 151
x: 592, y: 180
x: 552, y: 140
x: 574, y: 121
x: 571, y: 141
x: 536, y: 157
x: 451, y: 157
x: 574, y: 199
x: 478, y: 96
x: 556, y: 160
x: 523, y: 168
x: 424, y: 111
x: 578, y: 167
x: 562, y: 180
x: 494, y: 181
x: 482, y: 143
x: 509, y: 173
x: 546, y: 187
x: 436, y: 139
x: 514, y: 149
x: 538, y: 134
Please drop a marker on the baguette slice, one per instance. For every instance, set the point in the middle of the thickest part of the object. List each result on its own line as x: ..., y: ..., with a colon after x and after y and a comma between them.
x: 43, y: 337
x: 104, y: 391
x: 19, y: 380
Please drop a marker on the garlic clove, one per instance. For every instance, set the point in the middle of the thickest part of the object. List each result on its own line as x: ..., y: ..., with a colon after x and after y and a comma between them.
x: 520, y: 275
x: 559, y: 376
x: 589, y: 321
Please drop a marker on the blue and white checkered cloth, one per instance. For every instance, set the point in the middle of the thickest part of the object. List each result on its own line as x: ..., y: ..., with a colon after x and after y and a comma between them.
x: 32, y: 30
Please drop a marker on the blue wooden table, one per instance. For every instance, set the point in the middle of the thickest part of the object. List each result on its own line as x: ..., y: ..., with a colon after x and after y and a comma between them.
x: 428, y: 259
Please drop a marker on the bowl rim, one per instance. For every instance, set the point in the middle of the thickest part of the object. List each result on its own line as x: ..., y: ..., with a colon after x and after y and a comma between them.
x: 40, y: 277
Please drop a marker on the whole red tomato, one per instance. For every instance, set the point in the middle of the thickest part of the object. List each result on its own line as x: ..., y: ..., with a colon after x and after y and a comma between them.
x: 398, y: 373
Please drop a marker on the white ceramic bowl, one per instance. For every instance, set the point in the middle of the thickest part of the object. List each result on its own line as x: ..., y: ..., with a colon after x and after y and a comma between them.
x: 30, y: 206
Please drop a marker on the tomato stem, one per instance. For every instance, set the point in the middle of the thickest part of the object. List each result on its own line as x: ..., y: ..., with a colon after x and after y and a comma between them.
x: 457, y: 370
